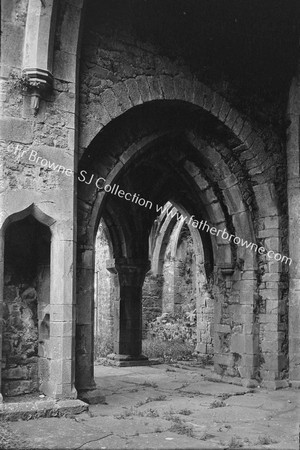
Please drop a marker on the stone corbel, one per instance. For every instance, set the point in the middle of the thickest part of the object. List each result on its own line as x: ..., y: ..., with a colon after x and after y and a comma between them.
x: 38, y: 48
x: 227, y: 269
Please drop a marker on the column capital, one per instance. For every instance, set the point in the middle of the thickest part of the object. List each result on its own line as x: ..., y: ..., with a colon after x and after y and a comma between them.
x: 131, y: 271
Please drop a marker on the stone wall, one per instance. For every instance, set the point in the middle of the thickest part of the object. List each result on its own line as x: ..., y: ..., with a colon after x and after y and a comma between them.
x: 46, y: 127
x: 235, y: 166
x: 152, y: 297
x: 185, y: 276
x: 104, y: 313
x: 20, y: 341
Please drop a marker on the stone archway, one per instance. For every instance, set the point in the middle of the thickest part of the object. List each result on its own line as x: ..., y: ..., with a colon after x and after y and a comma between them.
x: 166, y: 237
x: 221, y: 155
x: 207, y: 205
x: 30, y: 270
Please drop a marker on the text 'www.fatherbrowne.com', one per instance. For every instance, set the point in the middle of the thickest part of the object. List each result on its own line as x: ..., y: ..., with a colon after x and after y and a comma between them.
x: 167, y: 209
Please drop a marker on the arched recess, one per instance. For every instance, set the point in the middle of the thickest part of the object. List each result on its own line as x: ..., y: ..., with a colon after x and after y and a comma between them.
x: 219, y: 201
x: 61, y: 348
x: 25, y: 246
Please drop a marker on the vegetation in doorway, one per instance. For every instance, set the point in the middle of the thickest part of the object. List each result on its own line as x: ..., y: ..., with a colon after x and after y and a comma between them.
x: 172, y: 337
x: 103, y: 346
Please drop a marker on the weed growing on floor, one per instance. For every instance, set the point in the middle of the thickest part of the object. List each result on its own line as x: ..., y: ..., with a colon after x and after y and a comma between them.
x: 146, y: 384
x: 185, y: 412
x: 235, y: 442
x: 159, y: 398
x: 169, y: 415
x: 103, y: 346
x: 125, y: 415
x: 168, y: 351
x: 266, y: 440
x: 149, y: 413
x: 204, y: 436
x: 182, y: 428
x: 134, y: 412
x: 217, y: 404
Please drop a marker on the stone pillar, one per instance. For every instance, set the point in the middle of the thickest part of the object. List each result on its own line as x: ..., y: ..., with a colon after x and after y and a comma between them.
x: 61, y: 382
x: 1, y: 297
x: 128, y: 311
x: 85, y: 383
x: 84, y: 325
x: 293, y: 190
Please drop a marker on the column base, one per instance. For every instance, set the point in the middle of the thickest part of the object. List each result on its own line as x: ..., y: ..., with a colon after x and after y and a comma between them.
x: 275, y: 384
x: 58, y: 391
x: 127, y: 360
x: 92, y: 397
x: 294, y: 384
x: 250, y: 383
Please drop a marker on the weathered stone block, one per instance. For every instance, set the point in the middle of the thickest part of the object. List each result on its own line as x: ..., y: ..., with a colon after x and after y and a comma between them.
x: 209, y: 197
x: 155, y: 88
x: 216, y: 104
x: 179, y: 88
x: 122, y: 95
x: 16, y: 130
x: 234, y: 200
x: 65, y: 66
x: 270, y: 294
x: 224, y: 111
x: 226, y: 360
x: 220, y: 328
x: 133, y: 91
x: 167, y: 85
x: 228, y: 182
x: 68, y: 407
x: 215, y: 212
x: 61, y: 347
x: 191, y: 168
x: 18, y: 387
x: 267, y: 199
x: 246, y: 131
x: 238, y: 125
x: 199, y: 94
x: 61, y: 371
x: 16, y: 373
x: 201, y: 181
x: 231, y: 118
x: 111, y: 103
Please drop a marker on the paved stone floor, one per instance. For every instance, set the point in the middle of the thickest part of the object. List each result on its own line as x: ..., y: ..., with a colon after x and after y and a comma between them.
x: 171, y: 407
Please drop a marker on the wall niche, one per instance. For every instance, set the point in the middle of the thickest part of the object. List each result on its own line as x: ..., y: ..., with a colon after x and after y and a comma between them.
x: 26, y: 307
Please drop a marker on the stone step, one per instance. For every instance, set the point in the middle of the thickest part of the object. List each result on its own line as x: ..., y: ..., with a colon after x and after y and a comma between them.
x: 26, y: 410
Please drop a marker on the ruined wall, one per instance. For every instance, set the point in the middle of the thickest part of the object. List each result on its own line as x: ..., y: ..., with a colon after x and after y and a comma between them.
x: 168, y: 274
x: 49, y: 131
x: 104, y: 313
x: 113, y: 57
x: 20, y: 340
x: 185, y: 276
x: 152, y: 298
